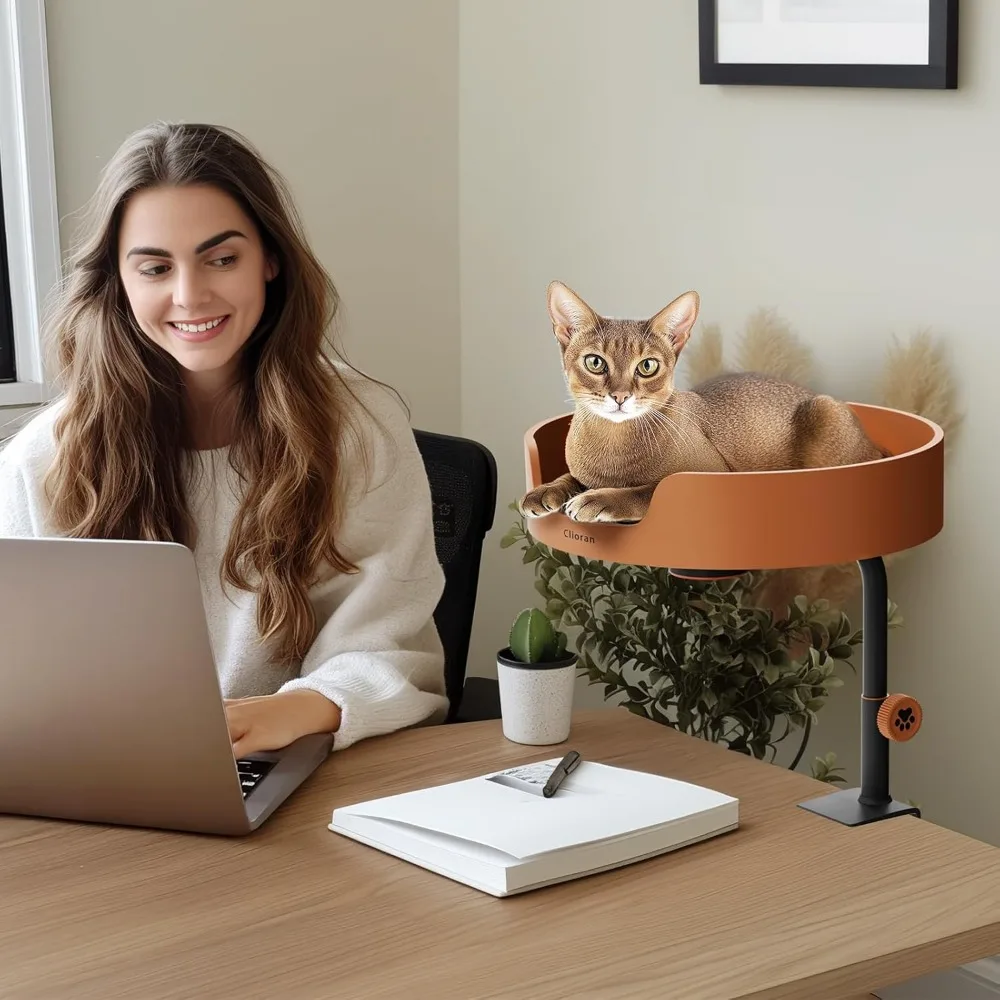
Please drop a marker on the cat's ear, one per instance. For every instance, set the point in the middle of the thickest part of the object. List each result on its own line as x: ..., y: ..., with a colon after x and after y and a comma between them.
x: 674, y: 322
x: 570, y: 315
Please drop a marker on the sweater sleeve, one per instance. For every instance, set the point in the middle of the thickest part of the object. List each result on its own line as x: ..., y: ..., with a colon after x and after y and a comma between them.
x: 15, y: 507
x: 24, y: 459
x: 377, y: 654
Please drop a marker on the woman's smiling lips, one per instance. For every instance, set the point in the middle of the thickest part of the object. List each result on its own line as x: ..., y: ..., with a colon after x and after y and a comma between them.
x: 200, y: 329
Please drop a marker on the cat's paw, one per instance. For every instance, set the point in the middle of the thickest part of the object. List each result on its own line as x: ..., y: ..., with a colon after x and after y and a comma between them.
x: 613, y: 506
x: 545, y: 499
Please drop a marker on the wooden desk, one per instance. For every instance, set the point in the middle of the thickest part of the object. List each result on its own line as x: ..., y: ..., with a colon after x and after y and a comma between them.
x: 789, y: 906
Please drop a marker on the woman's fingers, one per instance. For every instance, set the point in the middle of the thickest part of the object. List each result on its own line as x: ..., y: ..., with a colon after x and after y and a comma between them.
x: 244, y: 734
x: 237, y: 721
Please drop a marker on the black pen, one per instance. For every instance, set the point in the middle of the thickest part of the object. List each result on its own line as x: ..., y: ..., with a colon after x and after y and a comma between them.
x: 566, y: 766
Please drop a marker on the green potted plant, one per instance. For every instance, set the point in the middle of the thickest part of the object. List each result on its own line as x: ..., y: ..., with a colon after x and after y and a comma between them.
x: 536, y: 674
x: 698, y: 656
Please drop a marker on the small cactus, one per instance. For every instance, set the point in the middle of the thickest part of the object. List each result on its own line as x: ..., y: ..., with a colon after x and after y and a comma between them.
x: 534, y: 639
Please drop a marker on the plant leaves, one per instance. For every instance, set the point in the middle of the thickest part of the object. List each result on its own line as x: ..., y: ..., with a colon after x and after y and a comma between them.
x: 696, y: 655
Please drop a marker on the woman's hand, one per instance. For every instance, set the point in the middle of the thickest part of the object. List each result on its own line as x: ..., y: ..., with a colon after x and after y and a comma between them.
x: 273, y: 721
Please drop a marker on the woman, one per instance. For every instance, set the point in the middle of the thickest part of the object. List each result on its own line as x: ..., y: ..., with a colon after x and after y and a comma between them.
x: 200, y: 407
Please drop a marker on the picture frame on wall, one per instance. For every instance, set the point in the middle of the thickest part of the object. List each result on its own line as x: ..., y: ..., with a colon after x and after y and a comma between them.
x: 830, y: 43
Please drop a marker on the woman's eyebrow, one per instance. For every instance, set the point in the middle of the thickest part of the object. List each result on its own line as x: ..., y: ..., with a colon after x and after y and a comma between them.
x: 200, y: 248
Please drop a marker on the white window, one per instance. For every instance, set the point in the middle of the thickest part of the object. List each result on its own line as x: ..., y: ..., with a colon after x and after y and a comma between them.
x: 29, y: 223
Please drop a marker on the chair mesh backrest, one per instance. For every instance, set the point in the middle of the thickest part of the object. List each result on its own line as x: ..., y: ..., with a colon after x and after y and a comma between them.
x: 463, y: 481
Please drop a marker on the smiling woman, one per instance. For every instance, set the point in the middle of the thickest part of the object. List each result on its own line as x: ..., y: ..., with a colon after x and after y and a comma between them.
x: 201, y: 302
x: 204, y: 404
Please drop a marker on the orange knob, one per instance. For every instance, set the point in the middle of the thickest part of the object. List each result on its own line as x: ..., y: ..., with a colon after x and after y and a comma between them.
x: 899, y: 717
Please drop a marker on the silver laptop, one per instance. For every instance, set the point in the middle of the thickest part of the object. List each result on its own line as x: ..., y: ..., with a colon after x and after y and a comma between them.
x: 110, y: 706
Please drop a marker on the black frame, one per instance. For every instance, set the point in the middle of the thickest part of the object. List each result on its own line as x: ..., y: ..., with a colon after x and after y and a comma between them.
x: 8, y: 371
x: 941, y: 73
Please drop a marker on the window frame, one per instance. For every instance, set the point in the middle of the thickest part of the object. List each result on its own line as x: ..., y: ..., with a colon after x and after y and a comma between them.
x: 30, y: 221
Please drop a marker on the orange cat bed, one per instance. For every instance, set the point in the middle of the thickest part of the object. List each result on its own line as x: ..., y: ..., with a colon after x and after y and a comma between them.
x: 765, y: 520
x: 711, y: 524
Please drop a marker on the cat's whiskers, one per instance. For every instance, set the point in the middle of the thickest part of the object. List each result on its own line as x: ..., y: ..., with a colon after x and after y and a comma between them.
x: 585, y: 403
x: 666, y: 409
x: 678, y: 434
x: 589, y: 408
x: 648, y: 421
x: 646, y: 432
x: 655, y: 431
x: 686, y: 439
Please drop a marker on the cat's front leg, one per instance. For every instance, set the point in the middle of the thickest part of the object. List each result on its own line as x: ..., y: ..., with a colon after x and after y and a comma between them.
x: 549, y: 497
x: 616, y: 505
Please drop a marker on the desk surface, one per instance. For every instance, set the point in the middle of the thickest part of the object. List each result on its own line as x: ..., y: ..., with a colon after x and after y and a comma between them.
x: 789, y: 906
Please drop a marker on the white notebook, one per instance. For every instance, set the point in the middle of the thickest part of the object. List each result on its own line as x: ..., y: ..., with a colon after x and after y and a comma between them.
x: 503, y: 840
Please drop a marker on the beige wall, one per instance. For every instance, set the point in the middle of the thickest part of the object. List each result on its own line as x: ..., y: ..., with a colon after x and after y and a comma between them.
x: 372, y: 163
x: 590, y: 153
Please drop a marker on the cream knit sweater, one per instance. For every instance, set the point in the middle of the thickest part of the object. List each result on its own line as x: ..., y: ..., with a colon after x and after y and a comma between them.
x: 377, y: 653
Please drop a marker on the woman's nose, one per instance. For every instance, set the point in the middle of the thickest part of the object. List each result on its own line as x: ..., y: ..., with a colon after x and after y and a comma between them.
x: 190, y: 289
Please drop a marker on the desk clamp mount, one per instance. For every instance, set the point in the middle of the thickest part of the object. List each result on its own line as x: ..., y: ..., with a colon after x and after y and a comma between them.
x: 885, y: 718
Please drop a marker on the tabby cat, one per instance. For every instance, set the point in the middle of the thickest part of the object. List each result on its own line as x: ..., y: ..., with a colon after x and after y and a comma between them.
x: 632, y: 428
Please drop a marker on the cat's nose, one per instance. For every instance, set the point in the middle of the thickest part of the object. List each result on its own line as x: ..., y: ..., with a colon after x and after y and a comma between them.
x: 620, y: 397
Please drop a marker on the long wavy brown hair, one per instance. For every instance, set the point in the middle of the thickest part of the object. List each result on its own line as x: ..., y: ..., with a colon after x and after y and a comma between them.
x: 122, y: 459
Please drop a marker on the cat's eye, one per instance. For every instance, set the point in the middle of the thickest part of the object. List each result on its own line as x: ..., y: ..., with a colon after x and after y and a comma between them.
x: 594, y: 363
x: 648, y: 366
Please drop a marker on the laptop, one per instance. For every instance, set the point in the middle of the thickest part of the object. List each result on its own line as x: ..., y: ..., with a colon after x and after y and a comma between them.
x: 110, y: 705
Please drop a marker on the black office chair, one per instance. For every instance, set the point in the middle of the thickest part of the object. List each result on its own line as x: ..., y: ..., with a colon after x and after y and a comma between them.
x: 463, y: 480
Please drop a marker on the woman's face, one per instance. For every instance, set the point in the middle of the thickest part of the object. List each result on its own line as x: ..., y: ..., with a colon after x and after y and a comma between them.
x: 194, y: 270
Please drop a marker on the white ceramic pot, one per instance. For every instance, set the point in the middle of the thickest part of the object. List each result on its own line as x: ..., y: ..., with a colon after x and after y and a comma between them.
x: 536, y: 699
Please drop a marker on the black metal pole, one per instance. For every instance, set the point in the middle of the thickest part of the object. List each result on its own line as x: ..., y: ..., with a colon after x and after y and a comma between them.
x: 874, y: 682
x: 872, y: 801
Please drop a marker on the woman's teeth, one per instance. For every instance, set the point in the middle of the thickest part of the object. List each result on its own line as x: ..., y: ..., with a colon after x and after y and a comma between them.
x: 198, y: 327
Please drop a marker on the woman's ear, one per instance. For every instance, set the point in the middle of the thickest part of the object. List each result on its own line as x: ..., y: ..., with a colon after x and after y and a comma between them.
x: 271, y: 267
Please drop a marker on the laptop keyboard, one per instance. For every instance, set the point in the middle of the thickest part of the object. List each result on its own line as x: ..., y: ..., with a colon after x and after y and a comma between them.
x: 252, y: 773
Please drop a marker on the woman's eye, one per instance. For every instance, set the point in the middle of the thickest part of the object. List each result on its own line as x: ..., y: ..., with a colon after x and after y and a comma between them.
x: 648, y: 366
x: 594, y: 364
x: 225, y: 261
x: 153, y: 272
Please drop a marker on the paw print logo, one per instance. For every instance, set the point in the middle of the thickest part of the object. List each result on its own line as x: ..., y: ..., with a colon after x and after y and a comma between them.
x: 904, y: 719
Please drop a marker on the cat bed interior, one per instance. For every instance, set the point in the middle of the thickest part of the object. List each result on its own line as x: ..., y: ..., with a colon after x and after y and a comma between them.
x: 705, y: 524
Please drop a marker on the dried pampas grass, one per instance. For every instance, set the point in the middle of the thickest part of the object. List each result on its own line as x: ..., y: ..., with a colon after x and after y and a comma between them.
x: 769, y: 346
x: 702, y: 357
x: 915, y: 378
